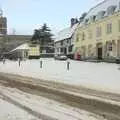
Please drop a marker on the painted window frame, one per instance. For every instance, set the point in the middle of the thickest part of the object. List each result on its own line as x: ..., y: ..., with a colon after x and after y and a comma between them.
x: 109, y: 28
x: 98, y: 31
x: 89, y: 34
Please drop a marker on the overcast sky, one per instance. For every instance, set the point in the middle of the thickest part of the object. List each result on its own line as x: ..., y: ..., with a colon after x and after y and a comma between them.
x: 26, y: 15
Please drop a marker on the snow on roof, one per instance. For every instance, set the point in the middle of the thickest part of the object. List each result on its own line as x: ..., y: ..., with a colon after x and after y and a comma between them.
x: 65, y: 33
x: 21, y: 47
x: 102, y: 7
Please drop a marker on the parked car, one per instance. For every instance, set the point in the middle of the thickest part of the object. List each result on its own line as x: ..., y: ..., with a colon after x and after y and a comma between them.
x: 60, y: 57
x: 118, y: 60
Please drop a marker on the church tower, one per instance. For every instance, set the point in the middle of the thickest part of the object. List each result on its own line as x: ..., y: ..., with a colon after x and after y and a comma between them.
x: 3, y: 23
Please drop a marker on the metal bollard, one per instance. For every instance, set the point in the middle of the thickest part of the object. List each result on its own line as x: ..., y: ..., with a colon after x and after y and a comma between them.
x: 68, y: 65
x: 3, y: 61
x: 19, y: 63
x: 41, y: 64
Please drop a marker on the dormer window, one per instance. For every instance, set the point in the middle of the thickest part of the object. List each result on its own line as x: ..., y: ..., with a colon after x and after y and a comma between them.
x: 111, y: 10
x: 100, y: 15
x: 86, y: 21
x: 92, y: 18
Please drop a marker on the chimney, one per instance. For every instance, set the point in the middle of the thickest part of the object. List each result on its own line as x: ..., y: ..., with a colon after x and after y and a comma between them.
x: 73, y: 21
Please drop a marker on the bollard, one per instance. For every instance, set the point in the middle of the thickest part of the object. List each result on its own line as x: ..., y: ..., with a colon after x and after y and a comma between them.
x: 3, y: 61
x: 68, y: 65
x: 41, y: 64
x: 19, y: 62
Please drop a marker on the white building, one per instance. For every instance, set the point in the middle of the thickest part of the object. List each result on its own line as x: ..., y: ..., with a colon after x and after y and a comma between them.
x: 25, y: 51
x: 63, y: 39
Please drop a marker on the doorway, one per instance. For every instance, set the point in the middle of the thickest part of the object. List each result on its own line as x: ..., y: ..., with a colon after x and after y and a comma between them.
x: 100, y: 53
x: 65, y: 51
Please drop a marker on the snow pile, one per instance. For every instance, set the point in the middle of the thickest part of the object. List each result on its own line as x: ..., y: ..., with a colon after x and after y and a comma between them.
x: 100, y: 76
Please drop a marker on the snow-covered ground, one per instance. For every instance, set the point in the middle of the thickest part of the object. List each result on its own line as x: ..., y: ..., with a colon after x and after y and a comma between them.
x: 45, y: 107
x: 100, y: 76
x: 10, y: 112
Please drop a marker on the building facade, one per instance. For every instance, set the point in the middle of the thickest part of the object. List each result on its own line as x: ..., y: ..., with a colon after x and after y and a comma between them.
x: 9, y: 42
x: 63, y: 46
x: 34, y: 51
x: 64, y: 39
x: 3, y: 23
x: 25, y: 51
x: 98, y: 35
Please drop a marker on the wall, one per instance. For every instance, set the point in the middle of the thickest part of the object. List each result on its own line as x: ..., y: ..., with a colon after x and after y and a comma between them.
x: 12, y: 41
x: 34, y: 50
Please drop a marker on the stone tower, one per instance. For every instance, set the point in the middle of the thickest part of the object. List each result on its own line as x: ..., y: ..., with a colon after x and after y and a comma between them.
x: 3, y: 23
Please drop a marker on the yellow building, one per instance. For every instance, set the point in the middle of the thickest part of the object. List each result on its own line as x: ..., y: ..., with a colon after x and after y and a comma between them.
x: 98, y: 35
x: 34, y: 51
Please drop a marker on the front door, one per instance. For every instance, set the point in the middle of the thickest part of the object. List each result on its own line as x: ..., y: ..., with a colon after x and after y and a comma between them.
x: 65, y: 51
x: 100, y: 53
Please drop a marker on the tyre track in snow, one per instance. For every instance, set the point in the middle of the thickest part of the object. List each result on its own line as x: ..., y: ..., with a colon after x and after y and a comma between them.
x: 28, y: 109
x: 48, y: 90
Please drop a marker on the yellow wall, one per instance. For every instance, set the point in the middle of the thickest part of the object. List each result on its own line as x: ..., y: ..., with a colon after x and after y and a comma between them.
x: 92, y: 27
x: 34, y: 50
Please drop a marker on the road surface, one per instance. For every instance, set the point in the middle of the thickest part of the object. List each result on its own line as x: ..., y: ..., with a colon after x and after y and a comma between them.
x: 47, y: 100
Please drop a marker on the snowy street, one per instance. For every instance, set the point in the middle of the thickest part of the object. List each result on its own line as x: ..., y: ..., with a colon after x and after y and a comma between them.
x: 10, y: 112
x: 18, y: 105
x: 48, y: 100
x: 88, y: 91
x: 99, y: 76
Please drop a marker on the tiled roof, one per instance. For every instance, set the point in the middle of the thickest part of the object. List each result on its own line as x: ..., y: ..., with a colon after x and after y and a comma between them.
x: 65, y: 33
